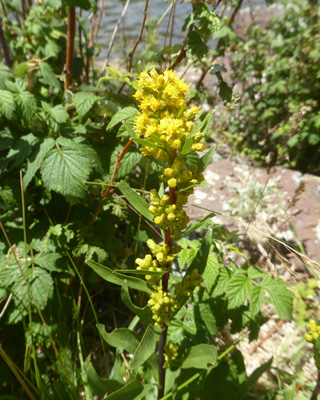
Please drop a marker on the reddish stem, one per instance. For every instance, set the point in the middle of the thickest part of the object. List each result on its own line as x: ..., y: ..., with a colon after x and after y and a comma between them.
x: 70, y: 47
x: 113, y: 177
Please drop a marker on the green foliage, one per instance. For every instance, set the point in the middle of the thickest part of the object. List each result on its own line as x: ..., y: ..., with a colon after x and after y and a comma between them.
x: 279, y: 109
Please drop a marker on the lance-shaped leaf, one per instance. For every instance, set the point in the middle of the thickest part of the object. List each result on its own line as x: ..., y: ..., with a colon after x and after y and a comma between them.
x: 206, y: 159
x: 121, y: 338
x: 200, y: 357
x: 144, y: 313
x: 146, y: 347
x: 118, y: 278
x: 99, y: 386
x: 137, y: 202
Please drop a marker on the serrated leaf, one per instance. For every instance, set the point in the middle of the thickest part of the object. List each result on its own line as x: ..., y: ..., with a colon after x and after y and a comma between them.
x: 200, y: 357
x: 125, y: 113
x: 27, y: 105
x: 21, y: 150
x: 255, y: 272
x: 117, y: 278
x: 65, y: 170
x: 145, y: 348
x: 35, y: 160
x: 129, y: 162
x: 50, y: 261
x: 222, y: 282
x: 41, y: 286
x: 211, y: 272
x: 195, y: 47
x: 121, y: 338
x: 56, y: 115
x: 137, y: 202
x: 280, y: 295
x: 83, y: 102
x: 7, y: 105
x: 144, y: 313
x: 256, y: 299
x: 207, y: 317
x: 238, y: 290
x: 48, y: 76
x: 5, y: 74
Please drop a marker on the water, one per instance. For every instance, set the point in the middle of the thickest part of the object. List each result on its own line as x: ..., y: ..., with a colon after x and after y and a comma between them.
x: 131, y: 23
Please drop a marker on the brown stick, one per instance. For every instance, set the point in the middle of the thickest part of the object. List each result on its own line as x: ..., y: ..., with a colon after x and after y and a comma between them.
x: 139, y: 36
x: 23, y: 10
x: 102, y: 6
x: 113, y: 177
x: 316, y: 389
x: 4, y: 46
x: 70, y: 47
x: 182, y: 53
x: 270, y: 333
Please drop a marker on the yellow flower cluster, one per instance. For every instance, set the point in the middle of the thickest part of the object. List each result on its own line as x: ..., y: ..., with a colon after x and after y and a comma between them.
x: 149, y: 264
x: 180, y: 178
x: 167, y: 214
x: 160, y: 251
x: 171, y: 352
x: 313, y: 331
x: 161, y: 304
x: 186, y: 287
x: 163, y: 121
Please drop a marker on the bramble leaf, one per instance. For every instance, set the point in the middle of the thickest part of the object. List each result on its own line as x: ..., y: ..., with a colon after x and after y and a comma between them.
x: 7, y: 105
x: 122, y: 115
x: 83, y: 102
x: 280, y: 295
x: 27, y: 105
x: 65, y: 170
x: 256, y: 299
x: 238, y: 290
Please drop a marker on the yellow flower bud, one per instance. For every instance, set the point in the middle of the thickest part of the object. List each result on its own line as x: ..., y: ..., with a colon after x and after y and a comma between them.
x: 172, y: 182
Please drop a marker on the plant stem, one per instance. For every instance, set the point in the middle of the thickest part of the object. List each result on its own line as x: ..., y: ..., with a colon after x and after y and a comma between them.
x: 4, y: 46
x: 113, y: 177
x: 316, y: 389
x: 70, y: 47
x: 165, y: 280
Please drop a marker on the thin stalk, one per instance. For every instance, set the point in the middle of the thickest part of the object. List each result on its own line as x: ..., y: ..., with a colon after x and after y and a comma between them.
x: 165, y: 280
x: 113, y: 177
x: 23, y: 10
x: 316, y: 389
x: 102, y: 7
x: 70, y: 47
x: 5, y: 50
x: 4, y: 9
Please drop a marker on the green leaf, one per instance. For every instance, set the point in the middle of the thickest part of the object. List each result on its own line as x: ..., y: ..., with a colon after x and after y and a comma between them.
x: 118, y: 279
x: 256, y: 299
x: 201, y: 258
x: 99, y: 386
x: 7, y: 105
x: 65, y: 170
x: 200, y: 357
x: 41, y: 286
x: 5, y: 74
x: 217, y: 68
x: 225, y: 92
x: 146, y: 347
x: 48, y: 76
x: 242, y: 394
x: 125, y: 113
x: 222, y: 282
x: 129, y: 162
x: 50, y: 261
x: 187, y: 146
x: 22, y: 148
x: 131, y: 391
x: 144, y: 313
x: 280, y: 295
x: 137, y: 202
x: 255, y: 272
x: 35, y: 160
x: 83, y: 102
x: 207, y: 317
x: 238, y: 290
x: 198, y: 224
x: 145, y: 142
x: 211, y: 272
x: 205, y: 159
x: 195, y: 47
x: 122, y: 338
x: 55, y: 115
x: 27, y: 105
